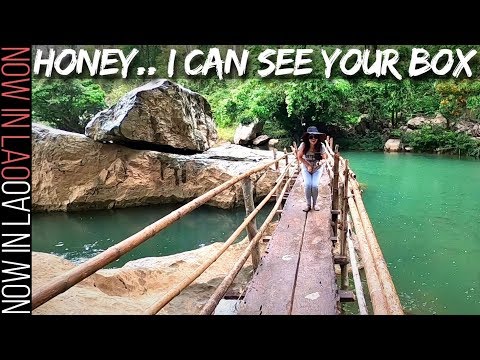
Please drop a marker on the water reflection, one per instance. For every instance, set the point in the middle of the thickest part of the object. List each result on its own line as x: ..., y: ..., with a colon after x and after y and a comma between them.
x: 80, y: 236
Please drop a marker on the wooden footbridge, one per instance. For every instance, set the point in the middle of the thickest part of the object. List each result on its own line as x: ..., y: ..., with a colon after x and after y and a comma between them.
x: 296, y: 273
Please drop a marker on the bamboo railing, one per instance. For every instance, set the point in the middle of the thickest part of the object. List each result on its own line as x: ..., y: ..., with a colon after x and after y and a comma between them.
x: 347, y: 210
x: 382, y: 291
x: 165, y: 299
x: 70, y: 278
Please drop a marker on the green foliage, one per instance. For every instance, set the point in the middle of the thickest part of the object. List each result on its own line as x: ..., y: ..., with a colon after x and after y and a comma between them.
x: 362, y: 186
x: 115, y: 89
x: 371, y: 142
x: 66, y: 104
x: 423, y: 100
x: 474, y: 151
x: 394, y: 101
x: 428, y: 138
x: 437, y: 139
x: 473, y: 106
x: 287, y: 105
x: 243, y: 101
x: 317, y: 101
x: 396, y: 134
x: 284, y: 143
x: 367, y: 98
x: 226, y: 134
x: 274, y: 131
x: 457, y: 97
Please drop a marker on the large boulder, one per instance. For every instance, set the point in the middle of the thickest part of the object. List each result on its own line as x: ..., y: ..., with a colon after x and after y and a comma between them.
x: 393, y: 145
x: 416, y: 122
x: 246, y: 133
x: 260, y: 140
x: 74, y: 172
x: 160, y: 112
x: 419, y: 121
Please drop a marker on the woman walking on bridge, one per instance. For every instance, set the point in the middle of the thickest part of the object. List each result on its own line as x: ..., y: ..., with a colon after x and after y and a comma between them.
x: 312, y: 155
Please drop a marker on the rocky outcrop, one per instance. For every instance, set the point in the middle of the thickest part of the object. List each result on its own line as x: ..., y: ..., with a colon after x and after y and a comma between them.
x: 160, y: 112
x: 393, y: 145
x: 260, y: 140
x: 73, y: 172
x: 136, y: 286
x: 468, y: 127
x: 244, y: 134
x: 367, y: 124
x: 419, y: 121
x: 272, y: 143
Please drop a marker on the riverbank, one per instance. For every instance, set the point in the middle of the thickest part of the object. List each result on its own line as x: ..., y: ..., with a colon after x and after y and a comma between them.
x: 134, y: 287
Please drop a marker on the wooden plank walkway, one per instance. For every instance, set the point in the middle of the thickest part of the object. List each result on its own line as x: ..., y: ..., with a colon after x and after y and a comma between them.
x: 296, y: 274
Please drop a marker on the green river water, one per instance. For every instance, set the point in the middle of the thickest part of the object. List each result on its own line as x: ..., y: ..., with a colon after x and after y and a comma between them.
x: 425, y: 211
x: 78, y: 236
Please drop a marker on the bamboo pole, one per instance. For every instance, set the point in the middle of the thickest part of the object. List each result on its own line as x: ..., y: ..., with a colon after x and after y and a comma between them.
x: 252, y: 225
x: 375, y: 289
x: 386, y: 280
x: 329, y: 150
x: 335, y: 196
x: 212, y: 303
x: 275, y: 157
x: 343, y: 248
x: 165, y: 299
x: 329, y: 166
x: 341, y: 237
x: 286, y: 162
x: 362, y: 304
x: 295, y: 151
x: 68, y: 279
x: 343, y: 234
x: 276, y: 169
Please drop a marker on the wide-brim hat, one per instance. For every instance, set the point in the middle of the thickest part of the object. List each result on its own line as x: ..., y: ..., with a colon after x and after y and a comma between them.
x: 313, y: 130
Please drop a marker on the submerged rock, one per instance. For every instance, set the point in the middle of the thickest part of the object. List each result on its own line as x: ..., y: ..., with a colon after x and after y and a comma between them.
x: 137, y: 285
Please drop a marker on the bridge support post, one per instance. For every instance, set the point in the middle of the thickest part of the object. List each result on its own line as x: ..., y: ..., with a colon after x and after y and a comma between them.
x: 275, y: 158
x: 252, y: 225
x: 295, y: 149
x: 284, y: 181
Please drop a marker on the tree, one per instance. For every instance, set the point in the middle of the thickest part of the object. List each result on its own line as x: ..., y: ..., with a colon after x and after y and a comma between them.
x: 454, y: 97
x: 66, y: 104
